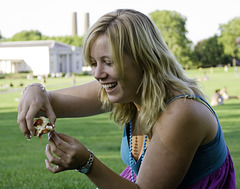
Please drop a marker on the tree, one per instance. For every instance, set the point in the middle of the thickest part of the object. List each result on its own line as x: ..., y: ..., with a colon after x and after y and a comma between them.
x: 37, y: 35
x: 71, y: 40
x: 172, y: 27
x: 209, y: 52
x: 27, y: 36
x: 229, y: 34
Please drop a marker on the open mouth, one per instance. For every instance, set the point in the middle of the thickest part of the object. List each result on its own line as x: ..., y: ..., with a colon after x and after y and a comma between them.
x: 109, y: 86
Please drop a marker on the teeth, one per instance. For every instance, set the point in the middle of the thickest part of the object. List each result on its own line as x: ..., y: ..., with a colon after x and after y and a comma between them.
x: 107, y: 86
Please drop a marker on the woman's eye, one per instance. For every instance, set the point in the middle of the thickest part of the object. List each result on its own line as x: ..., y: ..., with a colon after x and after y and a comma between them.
x: 108, y: 63
x: 93, y: 64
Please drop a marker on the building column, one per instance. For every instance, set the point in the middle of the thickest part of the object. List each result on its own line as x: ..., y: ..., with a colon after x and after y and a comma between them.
x: 68, y: 63
x: 56, y: 63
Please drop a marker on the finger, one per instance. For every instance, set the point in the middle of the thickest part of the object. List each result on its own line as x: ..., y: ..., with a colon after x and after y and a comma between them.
x: 62, y: 155
x: 22, y: 122
x: 50, y: 114
x: 59, y: 142
x: 34, y: 108
x: 23, y: 129
x: 52, y: 159
x: 55, y: 169
x: 68, y: 139
x: 72, y: 144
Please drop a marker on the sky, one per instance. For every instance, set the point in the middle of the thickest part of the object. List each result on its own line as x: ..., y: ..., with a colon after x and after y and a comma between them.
x: 54, y: 17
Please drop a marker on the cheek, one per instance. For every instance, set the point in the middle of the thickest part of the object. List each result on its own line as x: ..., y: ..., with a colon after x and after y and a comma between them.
x: 137, y: 77
x: 93, y: 70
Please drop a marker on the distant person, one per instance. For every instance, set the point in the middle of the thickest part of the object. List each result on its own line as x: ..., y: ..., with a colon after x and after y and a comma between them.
x: 73, y: 80
x: 172, y: 137
x: 226, y: 68
x: 235, y: 67
x: 205, y: 77
x: 211, y: 69
x: 44, y: 79
x: 223, y: 92
x: 217, y: 98
x: 236, y: 71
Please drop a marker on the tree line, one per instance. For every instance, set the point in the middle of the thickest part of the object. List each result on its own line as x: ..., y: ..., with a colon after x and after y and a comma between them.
x: 215, y: 50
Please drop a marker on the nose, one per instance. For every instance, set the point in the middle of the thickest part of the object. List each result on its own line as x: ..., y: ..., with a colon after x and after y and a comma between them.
x: 99, y: 72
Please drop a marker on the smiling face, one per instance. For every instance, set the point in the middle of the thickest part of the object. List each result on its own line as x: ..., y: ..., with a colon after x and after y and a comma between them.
x: 105, y: 71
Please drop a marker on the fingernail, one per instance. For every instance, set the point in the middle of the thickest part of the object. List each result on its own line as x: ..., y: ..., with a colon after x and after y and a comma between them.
x: 49, y: 135
x: 28, y: 137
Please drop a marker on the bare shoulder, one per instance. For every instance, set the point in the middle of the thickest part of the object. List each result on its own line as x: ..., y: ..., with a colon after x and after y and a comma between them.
x: 179, y: 131
x: 187, y: 118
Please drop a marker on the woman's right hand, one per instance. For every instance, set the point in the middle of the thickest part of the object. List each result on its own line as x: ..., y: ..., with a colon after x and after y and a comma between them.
x: 33, y: 101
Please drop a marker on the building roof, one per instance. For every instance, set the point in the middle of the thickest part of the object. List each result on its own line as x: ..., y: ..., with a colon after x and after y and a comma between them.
x: 12, y: 60
x: 40, y: 43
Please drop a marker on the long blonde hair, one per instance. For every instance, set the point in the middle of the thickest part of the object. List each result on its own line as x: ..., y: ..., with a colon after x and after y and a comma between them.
x: 133, y: 33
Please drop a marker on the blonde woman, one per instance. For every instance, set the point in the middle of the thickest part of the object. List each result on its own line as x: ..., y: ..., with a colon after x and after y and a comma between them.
x: 172, y: 137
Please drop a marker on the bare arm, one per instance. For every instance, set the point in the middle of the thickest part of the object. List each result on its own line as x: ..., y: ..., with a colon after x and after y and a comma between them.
x: 103, y: 177
x: 76, y: 101
x: 81, y: 100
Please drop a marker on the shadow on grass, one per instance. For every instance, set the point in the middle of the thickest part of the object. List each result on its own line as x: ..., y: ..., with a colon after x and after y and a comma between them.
x: 228, y: 106
x: 228, y: 111
x: 8, y: 116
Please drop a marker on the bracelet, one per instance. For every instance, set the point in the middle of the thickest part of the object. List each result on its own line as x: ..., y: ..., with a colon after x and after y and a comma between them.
x: 87, y: 167
x: 35, y: 84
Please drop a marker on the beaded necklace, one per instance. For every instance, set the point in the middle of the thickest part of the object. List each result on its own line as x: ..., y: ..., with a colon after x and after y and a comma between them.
x: 131, y: 159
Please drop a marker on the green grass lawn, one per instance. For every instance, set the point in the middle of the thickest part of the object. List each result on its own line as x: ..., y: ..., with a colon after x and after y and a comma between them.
x: 22, y: 162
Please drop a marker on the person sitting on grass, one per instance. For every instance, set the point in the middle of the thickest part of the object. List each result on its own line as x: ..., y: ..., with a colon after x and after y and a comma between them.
x: 225, y: 94
x: 217, y: 98
x: 172, y: 137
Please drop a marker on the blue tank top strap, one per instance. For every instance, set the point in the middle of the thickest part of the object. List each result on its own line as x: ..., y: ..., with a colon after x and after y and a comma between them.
x: 194, y: 97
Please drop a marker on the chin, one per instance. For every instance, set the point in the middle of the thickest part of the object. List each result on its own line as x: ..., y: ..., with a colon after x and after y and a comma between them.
x: 114, y: 99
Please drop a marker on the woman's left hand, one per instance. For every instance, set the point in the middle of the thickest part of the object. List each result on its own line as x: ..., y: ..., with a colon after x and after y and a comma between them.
x: 71, y: 153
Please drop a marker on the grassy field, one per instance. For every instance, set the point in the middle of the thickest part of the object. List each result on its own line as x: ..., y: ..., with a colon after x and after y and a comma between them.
x: 22, y: 162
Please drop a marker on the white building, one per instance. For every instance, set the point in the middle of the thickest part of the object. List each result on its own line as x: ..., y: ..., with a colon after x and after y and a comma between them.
x: 40, y: 57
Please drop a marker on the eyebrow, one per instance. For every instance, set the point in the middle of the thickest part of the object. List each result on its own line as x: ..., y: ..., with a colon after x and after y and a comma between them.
x: 103, y: 57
